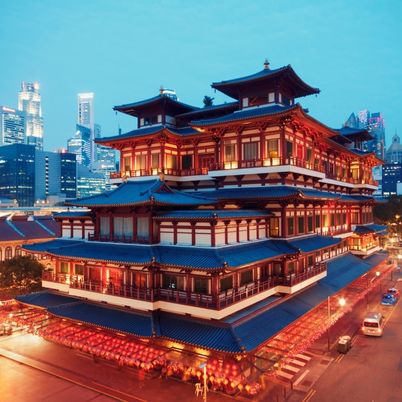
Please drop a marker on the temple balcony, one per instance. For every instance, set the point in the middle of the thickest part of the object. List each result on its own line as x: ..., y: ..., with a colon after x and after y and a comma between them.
x: 364, y: 251
x: 200, y: 304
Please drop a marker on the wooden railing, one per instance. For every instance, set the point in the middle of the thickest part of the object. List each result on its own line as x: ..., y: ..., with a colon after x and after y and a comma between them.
x: 216, y: 302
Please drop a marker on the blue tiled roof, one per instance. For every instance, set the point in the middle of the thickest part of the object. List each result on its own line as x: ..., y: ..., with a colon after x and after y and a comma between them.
x: 212, y: 214
x: 277, y: 192
x: 208, y: 109
x: 142, y: 192
x: 139, y: 132
x: 155, y: 99
x: 246, y: 114
x: 124, y: 321
x: 371, y: 228
x: 198, y: 332
x: 193, y: 257
x: 72, y: 214
x: 45, y: 299
x: 152, y: 130
x: 341, y: 271
x: 300, y: 87
x: 351, y: 132
x: 314, y: 243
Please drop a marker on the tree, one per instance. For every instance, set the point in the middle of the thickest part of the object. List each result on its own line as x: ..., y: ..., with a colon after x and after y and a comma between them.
x: 208, y: 101
x: 23, y: 272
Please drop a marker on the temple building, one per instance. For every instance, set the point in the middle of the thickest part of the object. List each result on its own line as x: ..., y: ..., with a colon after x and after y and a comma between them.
x: 218, y: 212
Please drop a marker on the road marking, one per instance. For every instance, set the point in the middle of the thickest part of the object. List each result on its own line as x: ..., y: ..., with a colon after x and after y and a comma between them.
x: 309, y: 395
x: 339, y: 358
x: 301, y: 377
x: 120, y: 392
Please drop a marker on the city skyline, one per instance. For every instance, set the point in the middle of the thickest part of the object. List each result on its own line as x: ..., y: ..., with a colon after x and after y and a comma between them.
x: 206, y: 47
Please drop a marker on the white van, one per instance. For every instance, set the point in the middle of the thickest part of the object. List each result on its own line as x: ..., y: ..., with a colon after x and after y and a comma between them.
x: 373, y: 324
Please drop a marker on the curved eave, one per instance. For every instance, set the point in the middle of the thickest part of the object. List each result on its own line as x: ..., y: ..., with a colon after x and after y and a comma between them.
x: 207, y: 219
x: 229, y: 87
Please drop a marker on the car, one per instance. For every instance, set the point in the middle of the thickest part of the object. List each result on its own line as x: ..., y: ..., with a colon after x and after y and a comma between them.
x: 388, y: 299
x: 395, y: 292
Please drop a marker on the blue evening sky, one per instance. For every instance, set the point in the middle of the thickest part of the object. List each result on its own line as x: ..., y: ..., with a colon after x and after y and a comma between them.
x: 123, y: 50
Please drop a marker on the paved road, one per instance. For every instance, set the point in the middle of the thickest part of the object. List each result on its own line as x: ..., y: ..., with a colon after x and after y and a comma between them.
x: 20, y: 383
x: 370, y: 372
x: 62, y: 374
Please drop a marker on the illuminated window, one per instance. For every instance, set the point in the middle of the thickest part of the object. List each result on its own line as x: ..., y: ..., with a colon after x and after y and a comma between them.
x: 78, y: 269
x: 64, y: 267
x: 274, y: 227
x: 273, y: 148
x: 8, y: 253
x: 230, y: 152
x: 171, y: 161
x: 291, y: 226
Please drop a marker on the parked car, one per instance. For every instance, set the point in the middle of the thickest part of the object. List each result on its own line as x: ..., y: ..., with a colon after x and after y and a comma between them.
x: 388, y: 299
x: 395, y: 292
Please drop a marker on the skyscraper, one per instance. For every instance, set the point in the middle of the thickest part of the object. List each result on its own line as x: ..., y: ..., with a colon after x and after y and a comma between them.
x: 85, y: 118
x: 12, y: 126
x: 80, y: 145
x: 374, y: 123
x: 29, y: 101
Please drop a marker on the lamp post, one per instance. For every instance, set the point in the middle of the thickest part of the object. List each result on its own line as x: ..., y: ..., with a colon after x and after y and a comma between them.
x: 342, y: 303
x: 205, y: 387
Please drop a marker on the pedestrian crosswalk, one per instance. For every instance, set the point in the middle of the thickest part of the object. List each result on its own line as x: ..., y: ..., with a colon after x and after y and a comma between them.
x: 288, y: 368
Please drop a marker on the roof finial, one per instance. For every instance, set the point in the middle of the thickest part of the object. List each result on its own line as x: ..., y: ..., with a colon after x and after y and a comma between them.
x: 266, y: 64
x: 161, y: 89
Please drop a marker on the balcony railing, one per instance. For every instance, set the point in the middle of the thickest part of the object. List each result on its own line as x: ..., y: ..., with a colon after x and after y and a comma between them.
x: 216, y: 302
x: 159, y: 171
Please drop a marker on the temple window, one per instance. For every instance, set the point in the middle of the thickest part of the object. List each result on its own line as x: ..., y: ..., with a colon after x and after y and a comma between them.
x: 300, y: 224
x: 309, y: 155
x: 140, y: 161
x: 175, y: 282
x: 187, y: 161
x: 127, y: 163
x: 8, y: 253
x: 171, y: 161
x: 355, y: 172
x: 310, y: 260
x: 277, y: 268
x: 273, y: 148
x: 154, y: 161
x: 123, y: 228
x: 245, y: 102
x: 289, y: 149
x: 78, y: 269
x: 271, y: 97
x: 226, y: 283
x: 230, y: 152
x: 354, y: 216
x: 310, y: 223
x: 140, y: 280
x: 332, y: 216
x: 291, y: 225
x: 250, y: 151
x: 104, y: 226
x: 246, y: 277
x: 317, y: 221
x: 274, y: 227
x: 291, y: 268
x: 147, y: 121
x: 201, y: 285
x: 279, y: 97
x: 143, y: 228
x: 64, y: 267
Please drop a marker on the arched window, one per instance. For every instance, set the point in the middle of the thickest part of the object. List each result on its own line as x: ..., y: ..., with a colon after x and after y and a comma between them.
x: 8, y: 253
x: 18, y: 251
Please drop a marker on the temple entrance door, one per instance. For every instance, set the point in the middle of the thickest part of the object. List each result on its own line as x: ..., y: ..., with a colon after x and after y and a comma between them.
x: 264, y: 273
x: 206, y: 161
x: 114, y: 279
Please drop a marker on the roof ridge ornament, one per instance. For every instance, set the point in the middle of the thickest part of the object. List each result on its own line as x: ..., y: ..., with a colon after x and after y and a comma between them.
x: 266, y: 64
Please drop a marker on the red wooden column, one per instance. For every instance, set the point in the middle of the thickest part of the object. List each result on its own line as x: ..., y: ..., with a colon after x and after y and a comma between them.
x: 71, y: 228
x: 149, y: 157
x: 174, y: 232
x: 248, y: 221
x: 195, y: 154
x: 82, y: 228
x: 266, y: 228
x: 162, y: 156
x: 361, y: 214
x: 314, y: 212
x: 226, y: 223
x: 283, y: 221
x: 132, y: 159
x: 257, y: 222
x: 263, y: 144
x: 238, y: 231
x: 213, y: 238
x: 283, y: 143
x: 214, y: 286
x: 321, y: 207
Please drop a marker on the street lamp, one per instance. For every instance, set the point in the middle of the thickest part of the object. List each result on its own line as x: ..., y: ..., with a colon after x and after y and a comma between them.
x: 205, y: 387
x: 342, y: 303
